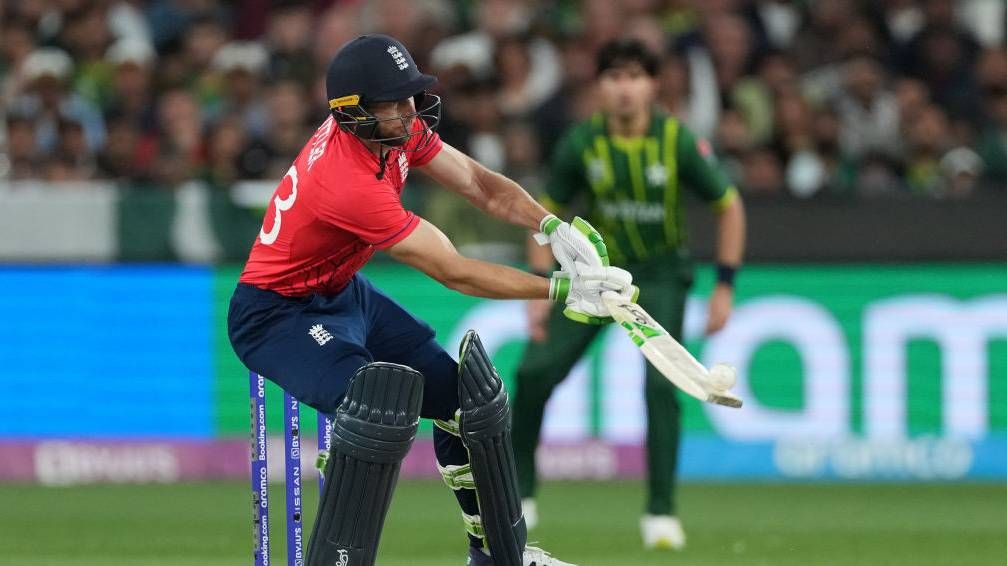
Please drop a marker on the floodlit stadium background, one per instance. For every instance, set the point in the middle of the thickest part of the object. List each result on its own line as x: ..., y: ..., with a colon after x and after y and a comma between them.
x: 139, y: 143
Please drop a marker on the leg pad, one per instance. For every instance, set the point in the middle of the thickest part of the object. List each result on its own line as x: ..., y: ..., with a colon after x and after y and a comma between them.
x: 373, y: 430
x: 485, y: 430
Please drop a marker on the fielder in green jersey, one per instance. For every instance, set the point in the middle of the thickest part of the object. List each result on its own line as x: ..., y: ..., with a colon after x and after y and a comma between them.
x: 630, y: 164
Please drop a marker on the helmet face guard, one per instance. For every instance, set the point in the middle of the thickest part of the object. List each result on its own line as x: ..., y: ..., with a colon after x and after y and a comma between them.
x: 355, y: 119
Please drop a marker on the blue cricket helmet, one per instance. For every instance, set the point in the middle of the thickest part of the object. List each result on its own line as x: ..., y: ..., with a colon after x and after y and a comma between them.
x: 378, y: 68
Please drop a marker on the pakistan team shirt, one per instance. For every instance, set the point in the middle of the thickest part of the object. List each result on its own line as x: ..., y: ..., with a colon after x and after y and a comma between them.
x: 633, y: 186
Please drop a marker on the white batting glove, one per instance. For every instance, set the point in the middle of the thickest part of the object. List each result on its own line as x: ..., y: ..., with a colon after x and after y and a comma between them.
x: 576, y: 245
x: 582, y: 292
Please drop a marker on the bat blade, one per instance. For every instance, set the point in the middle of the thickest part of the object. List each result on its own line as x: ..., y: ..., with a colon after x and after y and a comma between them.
x: 665, y: 353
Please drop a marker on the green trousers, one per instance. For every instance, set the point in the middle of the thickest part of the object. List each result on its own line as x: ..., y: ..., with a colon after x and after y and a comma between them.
x: 663, y: 288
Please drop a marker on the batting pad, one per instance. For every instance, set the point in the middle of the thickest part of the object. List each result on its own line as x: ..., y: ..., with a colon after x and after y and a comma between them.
x: 374, y: 427
x: 485, y: 430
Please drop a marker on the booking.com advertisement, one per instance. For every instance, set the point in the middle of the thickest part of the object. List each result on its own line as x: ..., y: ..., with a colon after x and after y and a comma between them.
x: 848, y: 373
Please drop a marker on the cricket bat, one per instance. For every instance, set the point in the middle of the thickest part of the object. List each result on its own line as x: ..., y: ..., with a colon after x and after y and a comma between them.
x: 666, y: 354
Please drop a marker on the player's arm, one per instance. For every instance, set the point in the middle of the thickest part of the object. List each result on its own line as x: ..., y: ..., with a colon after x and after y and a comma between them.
x: 429, y: 250
x: 699, y: 170
x: 489, y: 191
x: 731, y: 233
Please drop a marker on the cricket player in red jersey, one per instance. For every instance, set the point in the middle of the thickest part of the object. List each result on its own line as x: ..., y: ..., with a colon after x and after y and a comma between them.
x: 303, y: 316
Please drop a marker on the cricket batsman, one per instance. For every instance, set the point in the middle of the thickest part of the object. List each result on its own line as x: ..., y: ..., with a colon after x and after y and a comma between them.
x: 629, y: 164
x: 303, y: 316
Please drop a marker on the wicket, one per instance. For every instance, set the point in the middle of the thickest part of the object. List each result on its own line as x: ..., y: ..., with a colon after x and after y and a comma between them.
x: 292, y: 472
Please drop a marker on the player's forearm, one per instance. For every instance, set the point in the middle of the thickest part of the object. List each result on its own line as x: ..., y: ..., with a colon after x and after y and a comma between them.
x: 492, y: 281
x: 731, y: 234
x: 504, y: 199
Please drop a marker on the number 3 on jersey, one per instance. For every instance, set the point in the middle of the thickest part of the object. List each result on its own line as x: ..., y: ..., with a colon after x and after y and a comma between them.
x: 279, y: 205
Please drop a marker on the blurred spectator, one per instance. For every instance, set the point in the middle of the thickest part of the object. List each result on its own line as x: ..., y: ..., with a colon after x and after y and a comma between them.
x: 336, y: 26
x: 934, y: 167
x: 204, y: 37
x: 754, y: 95
x: 120, y: 159
x: 572, y: 99
x: 688, y: 90
x: 941, y: 54
x: 72, y: 157
x: 800, y: 98
x: 16, y: 43
x: 23, y: 156
x: 868, y: 112
x: 485, y: 144
x: 912, y: 98
x: 522, y: 156
x: 419, y: 24
x: 226, y: 149
x: 779, y: 20
x: 288, y: 128
x: 521, y: 89
x: 240, y: 66
x: 176, y: 150
x: 473, y: 52
x: 289, y: 42
x: 815, y: 45
x: 131, y: 97
x: 602, y: 21
x: 732, y: 141
x: 762, y: 173
x: 86, y: 36
x: 730, y: 44
x: 47, y: 98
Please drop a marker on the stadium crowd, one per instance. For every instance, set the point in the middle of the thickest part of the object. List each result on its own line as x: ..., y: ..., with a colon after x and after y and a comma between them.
x: 803, y: 98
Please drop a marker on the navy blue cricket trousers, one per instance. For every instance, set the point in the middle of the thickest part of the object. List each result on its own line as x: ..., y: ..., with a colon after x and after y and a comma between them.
x: 280, y: 338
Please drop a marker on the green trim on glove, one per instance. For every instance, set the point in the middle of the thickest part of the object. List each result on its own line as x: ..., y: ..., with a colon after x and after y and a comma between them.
x: 549, y: 224
x: 593, y: 236
x: 559, y: 287
x: 583, y: 318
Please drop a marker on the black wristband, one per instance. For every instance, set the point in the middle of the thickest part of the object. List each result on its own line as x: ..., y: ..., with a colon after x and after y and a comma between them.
x: 725, y: 274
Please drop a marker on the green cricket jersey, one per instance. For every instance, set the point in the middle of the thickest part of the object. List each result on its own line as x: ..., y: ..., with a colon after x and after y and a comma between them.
x: 633, y: 186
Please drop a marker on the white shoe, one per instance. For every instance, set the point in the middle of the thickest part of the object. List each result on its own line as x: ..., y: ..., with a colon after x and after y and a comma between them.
x: 534, y: 556
x: 662, y: 532
x: 530, y: 511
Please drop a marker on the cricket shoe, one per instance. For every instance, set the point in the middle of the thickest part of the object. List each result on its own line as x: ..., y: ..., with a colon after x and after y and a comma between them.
x: 533, y: 556
x: 662, y: 532
x: 530, y: 511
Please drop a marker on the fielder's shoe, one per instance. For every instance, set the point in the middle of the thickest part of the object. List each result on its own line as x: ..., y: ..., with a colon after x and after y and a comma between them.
x: 530, y: 511
x: 662, y: 532
x: 533, y: 556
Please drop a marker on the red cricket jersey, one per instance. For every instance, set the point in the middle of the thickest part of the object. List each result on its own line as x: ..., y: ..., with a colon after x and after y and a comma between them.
x: 330, y: 212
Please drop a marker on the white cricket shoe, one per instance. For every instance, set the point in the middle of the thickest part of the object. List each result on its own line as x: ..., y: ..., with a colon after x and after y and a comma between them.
x: 530, y: 511
x: 534, y: 556
x: 662, y: 532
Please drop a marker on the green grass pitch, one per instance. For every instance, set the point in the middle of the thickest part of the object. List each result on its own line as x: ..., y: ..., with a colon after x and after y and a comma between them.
x: 208, y: 524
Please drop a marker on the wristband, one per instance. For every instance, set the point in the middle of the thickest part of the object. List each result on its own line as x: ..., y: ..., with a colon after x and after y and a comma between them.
x: 725, y: 274
x: 559, y: 288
